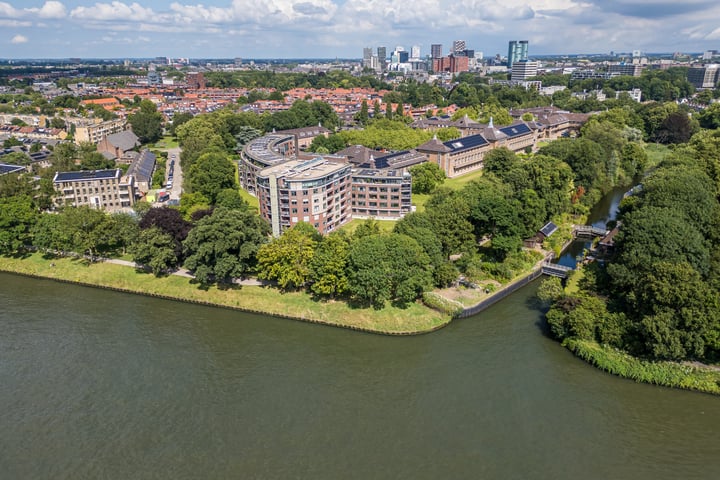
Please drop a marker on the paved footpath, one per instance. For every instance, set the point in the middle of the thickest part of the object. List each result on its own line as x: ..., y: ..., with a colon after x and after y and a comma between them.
x: 181, y: 272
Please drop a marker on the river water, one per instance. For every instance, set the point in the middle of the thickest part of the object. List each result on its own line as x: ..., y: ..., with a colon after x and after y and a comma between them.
x: 97, y: 384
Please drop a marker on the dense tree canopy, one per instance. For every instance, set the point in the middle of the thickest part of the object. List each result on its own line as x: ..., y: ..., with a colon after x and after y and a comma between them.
x: 223, y: 246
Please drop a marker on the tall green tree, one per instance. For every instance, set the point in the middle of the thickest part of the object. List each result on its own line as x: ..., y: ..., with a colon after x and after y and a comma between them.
x: 210, y: 174
x: 147, y: 122
x: 223, y: 246
x: 328, y: 267
x: 156, y: 250
x: 388, y: 267
x: 17, y: 218
x: 287, y: 258
x: 426, y: 177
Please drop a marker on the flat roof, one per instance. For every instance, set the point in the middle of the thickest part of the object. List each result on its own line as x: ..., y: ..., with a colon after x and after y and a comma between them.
x: 303, y: 169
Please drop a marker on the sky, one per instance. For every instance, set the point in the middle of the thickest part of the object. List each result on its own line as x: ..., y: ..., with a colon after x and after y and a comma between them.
x: 341, y: 28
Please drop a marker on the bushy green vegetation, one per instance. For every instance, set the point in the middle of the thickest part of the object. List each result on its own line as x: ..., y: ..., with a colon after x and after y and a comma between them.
x: 657, y: 299
x: 442, y: 304
x: 666, y: 374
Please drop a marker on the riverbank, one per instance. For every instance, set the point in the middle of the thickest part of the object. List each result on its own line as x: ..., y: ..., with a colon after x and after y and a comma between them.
x: 413, y: 320
x: 667, y: 374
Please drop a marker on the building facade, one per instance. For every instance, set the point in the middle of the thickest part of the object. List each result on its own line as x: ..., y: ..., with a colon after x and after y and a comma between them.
x: 458, y: 47
x: 705, y: 77
x: 261, y: 153
x: 382, y: 58
x: 522, y: 70
x: 101, y: 189
x: 451, y: 64
x: 382, y: 194
x: 95, y: 130
x: 314, y: 191
x: 628, y: 69
x: 436, y: 50
x: 195, y: 80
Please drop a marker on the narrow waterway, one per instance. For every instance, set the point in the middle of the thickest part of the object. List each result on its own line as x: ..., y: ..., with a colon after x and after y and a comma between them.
x: 604, y: 211
x: 98, y: 384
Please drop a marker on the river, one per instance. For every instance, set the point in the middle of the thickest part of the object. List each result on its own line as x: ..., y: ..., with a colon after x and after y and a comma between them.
x: 98, y: 384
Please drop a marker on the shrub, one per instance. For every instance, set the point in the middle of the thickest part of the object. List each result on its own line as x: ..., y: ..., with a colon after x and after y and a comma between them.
x: 442, y: 304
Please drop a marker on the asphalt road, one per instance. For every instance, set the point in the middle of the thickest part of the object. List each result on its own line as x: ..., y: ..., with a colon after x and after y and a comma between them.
x: 176, y: 189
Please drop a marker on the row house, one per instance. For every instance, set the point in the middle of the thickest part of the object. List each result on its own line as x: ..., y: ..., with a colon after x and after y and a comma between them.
x: 34, y: 133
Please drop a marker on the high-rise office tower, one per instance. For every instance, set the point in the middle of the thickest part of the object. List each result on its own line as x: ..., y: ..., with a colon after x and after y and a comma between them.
x: 382, y: 57
x: 436, y: 50
x: 517, y: 51
x: 367, y: 57
x: 458, y: 46
x: 415, y: 52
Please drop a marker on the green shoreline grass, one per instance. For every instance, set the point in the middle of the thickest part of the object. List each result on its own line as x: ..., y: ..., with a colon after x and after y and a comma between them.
x: 666, y: 374
x: 414, y: 319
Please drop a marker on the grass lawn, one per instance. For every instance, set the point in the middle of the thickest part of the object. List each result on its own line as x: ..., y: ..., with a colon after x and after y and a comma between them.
x: 419, y: 200
x: 166, y: 142
x: 572, y: 287
x: 458, y: 183
x: 386, y: 226
x: 253, y: 201
x: 656, y: 152
x: 414, y: 318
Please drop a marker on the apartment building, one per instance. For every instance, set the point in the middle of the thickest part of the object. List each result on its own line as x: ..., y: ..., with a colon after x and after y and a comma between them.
x: 381, y: 193
x: 107, y: 190
x: 94, y: 130
x: 315, y: 191
x: 261, y: 153
x: 451, y: 64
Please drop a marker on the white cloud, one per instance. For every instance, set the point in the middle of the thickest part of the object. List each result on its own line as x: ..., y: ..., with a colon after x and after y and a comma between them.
x: 50, y: 9
x: 17, y: 39
x: 343, y: 27
x: 8, y: 11
x: 14, y: 23
x: 113, y: 11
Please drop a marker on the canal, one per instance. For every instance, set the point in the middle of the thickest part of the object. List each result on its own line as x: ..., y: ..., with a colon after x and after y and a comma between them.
x: 604, y: 211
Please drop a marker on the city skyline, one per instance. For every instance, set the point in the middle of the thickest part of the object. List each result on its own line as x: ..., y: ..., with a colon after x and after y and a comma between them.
x: 341, y: 28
